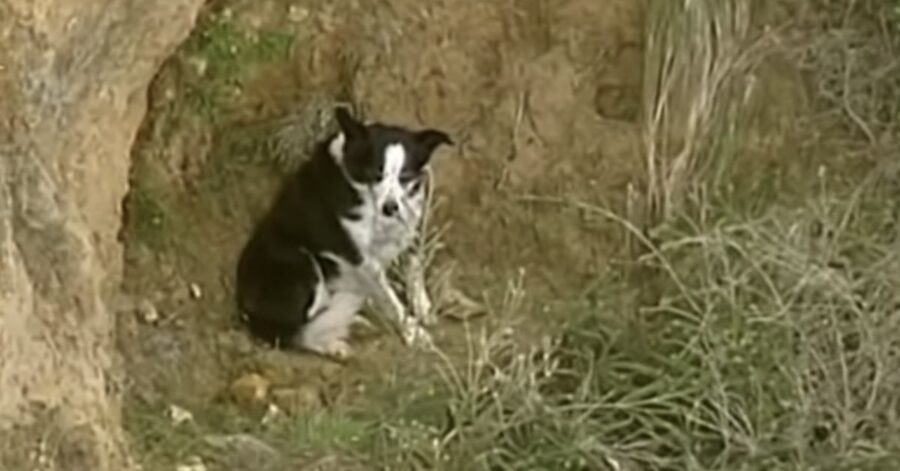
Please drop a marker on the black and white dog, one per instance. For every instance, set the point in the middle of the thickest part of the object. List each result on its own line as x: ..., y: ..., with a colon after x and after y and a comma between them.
x: 324, y: 246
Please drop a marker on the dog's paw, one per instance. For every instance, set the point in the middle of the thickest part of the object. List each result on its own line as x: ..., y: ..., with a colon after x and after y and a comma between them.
x: 337, y: 349
x: 362, y: 323
x: 414, y: 335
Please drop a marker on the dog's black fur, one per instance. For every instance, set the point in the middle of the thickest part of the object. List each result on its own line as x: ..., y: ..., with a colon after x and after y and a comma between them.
x: 276, y: 274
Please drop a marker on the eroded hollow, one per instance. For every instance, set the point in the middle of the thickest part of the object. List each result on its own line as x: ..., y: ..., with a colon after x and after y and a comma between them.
x: 533, y: 107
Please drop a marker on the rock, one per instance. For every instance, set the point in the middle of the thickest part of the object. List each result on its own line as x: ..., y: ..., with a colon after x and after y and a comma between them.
x: 297, y: 14
x: 195, y: 291
x: 273, y: 412
x: 250, y: 390
x: 243, y: 452
x: 147, y: 312
x: 193, y: 463
x: 179, y: 415
x: 296, y: 401
x: 73, y: 82
x: 198, y: 65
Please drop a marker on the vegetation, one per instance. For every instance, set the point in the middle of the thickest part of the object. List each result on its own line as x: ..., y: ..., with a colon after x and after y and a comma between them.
x: 744, y: 336
x: 221, y: 53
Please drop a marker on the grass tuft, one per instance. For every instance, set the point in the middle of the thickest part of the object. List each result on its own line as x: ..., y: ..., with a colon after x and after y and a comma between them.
x: 697, y: 59
x: 772, y: 347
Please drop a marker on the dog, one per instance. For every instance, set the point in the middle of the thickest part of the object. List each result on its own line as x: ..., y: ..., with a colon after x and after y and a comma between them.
x: 337, y: 224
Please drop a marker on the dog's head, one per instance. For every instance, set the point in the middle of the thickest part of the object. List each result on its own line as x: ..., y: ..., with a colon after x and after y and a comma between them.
x: 389, y: 161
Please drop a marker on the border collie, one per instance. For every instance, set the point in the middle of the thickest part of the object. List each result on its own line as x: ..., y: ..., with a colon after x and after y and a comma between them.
x: 337, y: 224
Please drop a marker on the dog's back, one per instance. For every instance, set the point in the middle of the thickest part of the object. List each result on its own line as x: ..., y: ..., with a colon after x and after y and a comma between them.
x: 278, y: 271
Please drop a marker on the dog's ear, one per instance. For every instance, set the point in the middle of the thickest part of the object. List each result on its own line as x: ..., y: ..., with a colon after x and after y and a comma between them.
x: 351, y: 128
x: 430, y: 139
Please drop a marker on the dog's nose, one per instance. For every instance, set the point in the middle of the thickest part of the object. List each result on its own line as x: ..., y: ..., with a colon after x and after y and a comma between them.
x: 390, y: 208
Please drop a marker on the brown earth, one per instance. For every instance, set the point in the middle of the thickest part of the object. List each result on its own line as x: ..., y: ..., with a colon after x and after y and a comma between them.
x: 69, y: 110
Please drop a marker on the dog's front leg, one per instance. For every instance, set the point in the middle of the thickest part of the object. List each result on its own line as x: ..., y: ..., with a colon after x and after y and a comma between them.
x: 411, y: 331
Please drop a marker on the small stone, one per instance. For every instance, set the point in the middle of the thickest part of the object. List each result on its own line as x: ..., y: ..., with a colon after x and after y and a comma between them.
x: 195, y: 291
x: 243, y: 449
x: 296, y: 401
x: 297, y: 14
x: 273, y: 412
x: 169, y: 94
x: 194, y: 463
x: 250, y: 390
x: 147, y: 312
x: 179, y: 415
x: 199, y: 65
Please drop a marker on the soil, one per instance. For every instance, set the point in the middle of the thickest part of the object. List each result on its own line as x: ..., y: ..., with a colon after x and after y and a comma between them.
x: 73, y: 81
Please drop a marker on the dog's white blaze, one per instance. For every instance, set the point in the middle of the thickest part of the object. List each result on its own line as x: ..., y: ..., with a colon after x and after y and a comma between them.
x: 389, y: 188
x: 394, y: 159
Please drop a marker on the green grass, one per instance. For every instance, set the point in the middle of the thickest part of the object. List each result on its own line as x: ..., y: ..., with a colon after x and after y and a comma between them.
x: 161, y: 444
x: 149, y: 219
x: 228, y: 54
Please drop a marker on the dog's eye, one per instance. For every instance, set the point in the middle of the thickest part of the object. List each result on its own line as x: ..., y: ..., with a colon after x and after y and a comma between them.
x: 375, y: 175
x: 414, y: 188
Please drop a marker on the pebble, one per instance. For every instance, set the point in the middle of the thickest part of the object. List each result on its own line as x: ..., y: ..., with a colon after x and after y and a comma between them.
x: 243, y: 448
x: 179, y: 415
x: 273, y: 412
x: 199, y: 64
x: 297, y: 14
x: 296, y: 401
x: 148, y: 312
x: 195, y: 291
x: 193, y: 463
x: 251, y: 389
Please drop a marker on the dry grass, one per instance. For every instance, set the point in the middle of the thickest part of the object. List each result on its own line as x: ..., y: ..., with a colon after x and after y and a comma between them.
x: 774, y: 348
x: 697, y: 58
x: 855, y: 67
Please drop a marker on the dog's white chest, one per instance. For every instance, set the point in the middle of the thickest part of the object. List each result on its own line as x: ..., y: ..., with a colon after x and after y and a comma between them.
x: 392, y: 236
x: 381, y: 238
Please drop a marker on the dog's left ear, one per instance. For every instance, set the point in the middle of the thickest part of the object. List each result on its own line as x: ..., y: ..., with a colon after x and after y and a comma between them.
x: 430, y: 139
x: 352, y: 128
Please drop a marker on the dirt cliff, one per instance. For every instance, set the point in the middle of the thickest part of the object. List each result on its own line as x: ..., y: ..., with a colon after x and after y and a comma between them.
x: 73, y: 80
